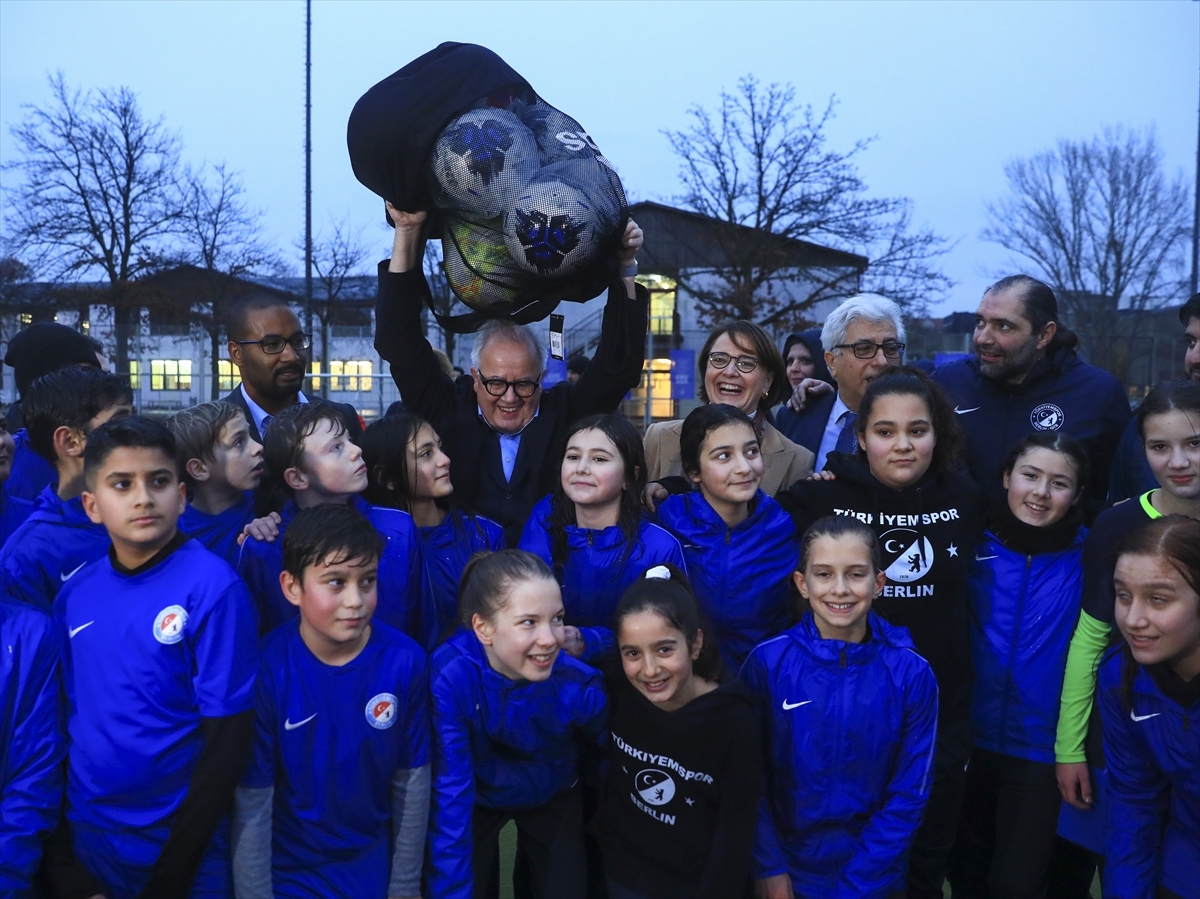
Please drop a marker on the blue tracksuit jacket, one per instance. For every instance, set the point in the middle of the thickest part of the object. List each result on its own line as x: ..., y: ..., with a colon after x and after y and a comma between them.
x: 30, y: 472
x: 446, y: 550
x: 598, y: 571
x: 848, y: 731
x: 742, y: 577
x: 32, y: 741
x: 48, y: 549
x: 1152, y: 829
x: 1061, y: 392
x: 1025, y: 613
x: 13, y: 514
x: 499, y: 743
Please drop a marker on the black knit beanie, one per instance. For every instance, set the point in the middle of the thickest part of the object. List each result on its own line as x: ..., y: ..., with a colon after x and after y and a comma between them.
x: 46, y: 347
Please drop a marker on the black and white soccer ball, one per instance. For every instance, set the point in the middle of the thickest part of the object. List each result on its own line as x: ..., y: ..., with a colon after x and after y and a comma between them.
x: 483, y: 160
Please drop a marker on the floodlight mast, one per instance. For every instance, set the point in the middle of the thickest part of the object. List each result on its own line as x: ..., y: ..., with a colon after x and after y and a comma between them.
x: 308, y: 241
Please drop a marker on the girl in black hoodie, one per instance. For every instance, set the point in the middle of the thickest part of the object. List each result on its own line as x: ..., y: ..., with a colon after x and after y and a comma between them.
x: 680, y: 802
x: 929, y: 518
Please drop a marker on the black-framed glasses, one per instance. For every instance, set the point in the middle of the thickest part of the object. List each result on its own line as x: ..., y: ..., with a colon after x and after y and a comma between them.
x: 866, y: 349
x: 744, y: 364
x: 498, y: 387
x: 274, y: 344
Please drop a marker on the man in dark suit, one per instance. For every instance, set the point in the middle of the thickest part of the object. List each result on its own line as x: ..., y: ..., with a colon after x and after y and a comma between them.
x: 503, y: 433
x: 862, y: 337
x: 270, y: 351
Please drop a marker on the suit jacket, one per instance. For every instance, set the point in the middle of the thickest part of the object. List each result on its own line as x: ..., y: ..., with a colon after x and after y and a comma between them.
x: 453, y: 410
x: 784, y: 462
x: 808, y: 427
x: 270, y: 497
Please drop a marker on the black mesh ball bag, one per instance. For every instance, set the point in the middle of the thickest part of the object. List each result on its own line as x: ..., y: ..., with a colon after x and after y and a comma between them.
x: 529, y: 211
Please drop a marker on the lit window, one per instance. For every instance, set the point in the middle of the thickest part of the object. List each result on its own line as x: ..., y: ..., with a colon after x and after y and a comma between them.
x: 662, y: 303
x: 26, y: 319
x: 661, y: 404
x: 87, y: 326
x: 352, y: 375
x: 170, y: 374
x: 135, y: 375
x: 315, y: 370
x: 228, y: 376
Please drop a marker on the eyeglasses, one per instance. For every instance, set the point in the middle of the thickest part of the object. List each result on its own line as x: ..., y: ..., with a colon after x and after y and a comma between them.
x: 499, y: 387
x: 866, y: 349
x: 274, y: 344
x: 744, y: 364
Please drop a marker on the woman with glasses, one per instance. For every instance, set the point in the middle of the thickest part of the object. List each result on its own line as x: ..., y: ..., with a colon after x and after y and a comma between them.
x: 739, y: 366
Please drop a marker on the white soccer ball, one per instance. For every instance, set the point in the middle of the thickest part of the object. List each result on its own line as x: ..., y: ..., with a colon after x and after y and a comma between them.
x: 483, y: 160
x: 552, y: 229
x: 478, y: 265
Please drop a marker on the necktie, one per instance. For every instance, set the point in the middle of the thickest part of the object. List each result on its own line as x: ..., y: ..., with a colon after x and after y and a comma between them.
x: 847, y: 441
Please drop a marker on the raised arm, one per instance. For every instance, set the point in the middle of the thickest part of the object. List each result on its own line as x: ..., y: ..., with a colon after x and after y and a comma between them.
x: 399, y: 336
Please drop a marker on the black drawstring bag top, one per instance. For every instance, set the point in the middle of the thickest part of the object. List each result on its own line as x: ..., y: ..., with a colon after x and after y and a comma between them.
x: 528, y: 209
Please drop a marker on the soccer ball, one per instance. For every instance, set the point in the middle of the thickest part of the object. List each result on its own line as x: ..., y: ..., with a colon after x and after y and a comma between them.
x: 552, y: 228
x: 559, y: 137
x: 483, y: 160
x: 478, y: 265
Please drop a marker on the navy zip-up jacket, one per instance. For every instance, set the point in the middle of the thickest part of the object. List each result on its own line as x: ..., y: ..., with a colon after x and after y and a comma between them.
x: 742, y: 575
x: 446, y: 549
x: 1025, y: 612
x: 32, y: 741
x: 848, y: 733
x: 1152, y: 830
x: 598, y: 571
x: 48, y: 549
x: 1060, y: 393
x: 500, y: 744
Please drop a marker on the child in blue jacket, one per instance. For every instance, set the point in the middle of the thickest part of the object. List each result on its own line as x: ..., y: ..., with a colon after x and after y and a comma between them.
x: 741, y: 547
x: 1025, y: 582
x: 849, y: 713
x: 407, y: 470
x: 1150, y: 704
x: 591, y: 531
x: 510, y: 712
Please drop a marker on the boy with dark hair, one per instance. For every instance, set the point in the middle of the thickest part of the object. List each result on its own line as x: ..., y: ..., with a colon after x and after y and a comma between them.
x: 340, y: 808
x: 222, y: 466
x: 31, y: 741
x: 13, y: 510
x: 159, y: 671
x: 61, y: 411
x: 309, y: 451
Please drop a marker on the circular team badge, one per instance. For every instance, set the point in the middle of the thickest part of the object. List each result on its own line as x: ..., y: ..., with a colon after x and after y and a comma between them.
x: 654, y: 786
x: 1047, y: 417
x: 169, y: 625
x: 381, y: 711
x: 907, y: 554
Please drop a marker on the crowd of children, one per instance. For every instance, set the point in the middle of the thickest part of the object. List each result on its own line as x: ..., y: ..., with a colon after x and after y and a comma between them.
x: 733, y: 695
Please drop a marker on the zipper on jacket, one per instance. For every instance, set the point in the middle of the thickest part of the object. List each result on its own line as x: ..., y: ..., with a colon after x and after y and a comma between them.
x: 1012, y: 652
x: 841, y: 714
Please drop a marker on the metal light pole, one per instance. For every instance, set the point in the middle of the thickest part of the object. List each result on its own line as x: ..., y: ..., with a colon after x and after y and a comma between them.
x: 1196, y: 210
x: 308, y: 242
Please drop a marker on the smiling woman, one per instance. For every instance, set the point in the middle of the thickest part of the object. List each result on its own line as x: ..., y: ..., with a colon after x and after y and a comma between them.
x: 740, y: 366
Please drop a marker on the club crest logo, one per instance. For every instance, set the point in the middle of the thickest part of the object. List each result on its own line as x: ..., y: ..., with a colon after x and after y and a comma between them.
x: 654, y: 786
x: 1047, y: 417
x: 381, y: 711
x: 169, y: 625
x: 907, y: 555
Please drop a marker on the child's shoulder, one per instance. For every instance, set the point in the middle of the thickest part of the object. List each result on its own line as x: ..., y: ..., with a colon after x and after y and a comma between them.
x: 396, y: 647
x: 391, y: 522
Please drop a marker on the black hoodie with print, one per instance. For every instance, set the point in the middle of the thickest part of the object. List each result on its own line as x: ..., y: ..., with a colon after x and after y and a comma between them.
x: 928, y: 533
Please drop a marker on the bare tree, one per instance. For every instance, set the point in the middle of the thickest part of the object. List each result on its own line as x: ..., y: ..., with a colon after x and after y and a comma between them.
x: 223, y: 236
x: 444, y: 300
x: 338, y: 255
x: 761, y: 161
x: 99, y: 194
x: 1105, y: 227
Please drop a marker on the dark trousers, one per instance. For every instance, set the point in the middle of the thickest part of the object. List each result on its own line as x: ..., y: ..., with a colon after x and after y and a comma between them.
x: 549, y: 844
x: 1006, y: 835
x: 934, y: 841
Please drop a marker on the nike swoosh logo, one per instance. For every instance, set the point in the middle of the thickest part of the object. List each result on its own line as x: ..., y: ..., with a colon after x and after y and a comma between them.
x: 287, y: 725
x: 979, y: 558
x: 965, y: 411
x: 795, y: 705
x: 66, y: 577
x: 73, y: 631
x: 1143, y: 717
